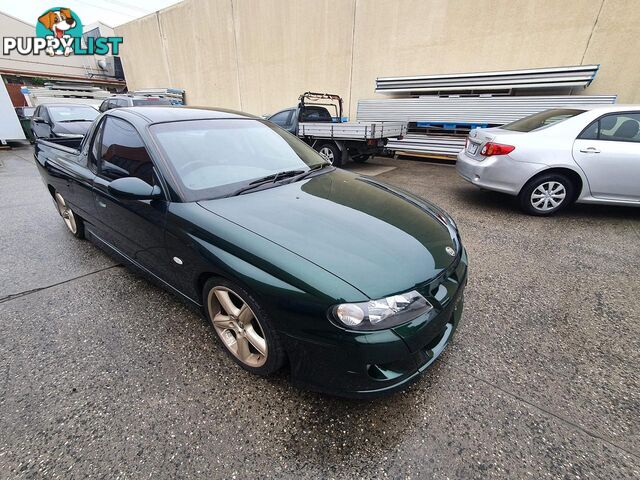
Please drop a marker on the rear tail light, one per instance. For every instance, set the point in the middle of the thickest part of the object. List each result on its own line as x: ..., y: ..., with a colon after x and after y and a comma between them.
x: 491, y: 148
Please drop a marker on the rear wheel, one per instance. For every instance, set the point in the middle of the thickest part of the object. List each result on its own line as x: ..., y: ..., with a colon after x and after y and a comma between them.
x: 546, y: 194
x: 244, y: 328
x: 73, y: 222
x: 331, y: 152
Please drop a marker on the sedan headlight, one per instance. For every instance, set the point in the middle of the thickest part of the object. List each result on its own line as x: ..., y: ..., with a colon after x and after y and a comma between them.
x: 383, y: 313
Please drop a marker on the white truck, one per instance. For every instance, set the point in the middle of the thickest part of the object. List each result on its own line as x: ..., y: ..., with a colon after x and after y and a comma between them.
x: 329, y: 135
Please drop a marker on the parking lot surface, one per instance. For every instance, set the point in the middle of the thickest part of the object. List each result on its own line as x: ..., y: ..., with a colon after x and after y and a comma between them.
x: 104, y: 375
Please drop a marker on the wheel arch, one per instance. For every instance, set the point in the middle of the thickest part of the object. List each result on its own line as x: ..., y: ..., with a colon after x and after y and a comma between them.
x: 572, y: 174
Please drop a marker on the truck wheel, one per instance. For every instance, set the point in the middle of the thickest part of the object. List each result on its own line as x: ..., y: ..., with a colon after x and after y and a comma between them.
x: 361, y: 158
x: 331, y: 152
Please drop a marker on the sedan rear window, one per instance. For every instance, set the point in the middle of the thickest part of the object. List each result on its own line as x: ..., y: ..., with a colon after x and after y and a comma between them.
x: 213, y: 158
x: 542, y: 119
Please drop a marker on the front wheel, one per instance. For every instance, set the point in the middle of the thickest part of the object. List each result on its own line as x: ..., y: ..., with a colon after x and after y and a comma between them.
x: 244, y: 328
x: 331, y: 152
x: 546, y: 194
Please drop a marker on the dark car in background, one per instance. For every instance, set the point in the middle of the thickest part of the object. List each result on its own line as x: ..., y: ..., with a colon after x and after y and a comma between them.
x: 62, y: 120
x: 356, y: 284
x: 119, y: 101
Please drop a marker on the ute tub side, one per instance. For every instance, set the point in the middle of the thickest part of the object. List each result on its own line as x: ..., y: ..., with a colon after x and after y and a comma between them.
x: 352, y: 130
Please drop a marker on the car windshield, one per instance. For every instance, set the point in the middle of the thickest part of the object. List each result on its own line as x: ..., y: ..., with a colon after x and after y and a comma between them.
x: 215, y: 158
x: 151, y: 101
x: 542, y: 119
x: 73, y: 113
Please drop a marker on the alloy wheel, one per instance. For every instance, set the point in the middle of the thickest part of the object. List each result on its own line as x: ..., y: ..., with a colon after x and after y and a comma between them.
x: 548, y: 196
x: 327, y: 153
x: 66, y: 213
x: 237, y: 326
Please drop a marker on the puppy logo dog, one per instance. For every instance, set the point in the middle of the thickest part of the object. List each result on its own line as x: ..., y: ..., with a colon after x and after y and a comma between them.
x: 58, y: 22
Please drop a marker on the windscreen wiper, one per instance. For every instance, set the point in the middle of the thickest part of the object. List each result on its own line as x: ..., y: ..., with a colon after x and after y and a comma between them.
x: 273, y: 178
x: 76, y: 120
x: 312, y: 168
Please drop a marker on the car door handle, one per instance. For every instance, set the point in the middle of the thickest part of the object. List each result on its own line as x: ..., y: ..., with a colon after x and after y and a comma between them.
x: 590, y: 150
x: 102, y: 204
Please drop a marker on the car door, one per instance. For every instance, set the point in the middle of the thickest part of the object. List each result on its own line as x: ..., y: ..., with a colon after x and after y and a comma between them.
x: 134, y: 227
x: 41, y: 123
x: 284, y: 119
x: 608, y: 151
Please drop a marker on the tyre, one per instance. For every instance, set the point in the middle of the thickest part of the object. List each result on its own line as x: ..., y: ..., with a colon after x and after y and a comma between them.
x: 73, y: 222
x: 331, y: 152
x: 546, y: 194
x: 361, y: 158
x: 243, y: 327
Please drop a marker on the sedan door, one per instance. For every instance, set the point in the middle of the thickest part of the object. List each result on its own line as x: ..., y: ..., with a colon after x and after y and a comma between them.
x: 284, y: 119
x: 134, y: 227
x: 608, y: 151
x: 41, y: 123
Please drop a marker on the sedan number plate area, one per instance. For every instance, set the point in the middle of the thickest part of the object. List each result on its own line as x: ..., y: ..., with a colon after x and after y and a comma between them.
x: 472, y: 148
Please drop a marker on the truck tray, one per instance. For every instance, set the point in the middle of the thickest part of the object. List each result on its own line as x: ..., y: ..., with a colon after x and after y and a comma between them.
x: 353, y: 130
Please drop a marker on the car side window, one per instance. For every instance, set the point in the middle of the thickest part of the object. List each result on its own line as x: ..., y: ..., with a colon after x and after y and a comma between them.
x: 121, y: 102
x: 282, y: 118
x: 122, y: 152
x: 104, y: 106
x: 45, y: 115
x: 617, y: 127
x: 94, y: 151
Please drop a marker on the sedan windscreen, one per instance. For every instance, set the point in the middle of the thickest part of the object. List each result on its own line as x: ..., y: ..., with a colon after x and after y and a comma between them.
x: 73, y: 113
x: 542, y: 119
x: 212, y: 158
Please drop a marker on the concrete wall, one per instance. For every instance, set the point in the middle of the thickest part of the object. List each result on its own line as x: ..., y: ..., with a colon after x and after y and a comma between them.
x: 259, y: 55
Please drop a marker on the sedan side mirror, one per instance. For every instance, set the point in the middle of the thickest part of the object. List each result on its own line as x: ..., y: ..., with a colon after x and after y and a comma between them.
x: 38, y: 120
x: 133, y: 188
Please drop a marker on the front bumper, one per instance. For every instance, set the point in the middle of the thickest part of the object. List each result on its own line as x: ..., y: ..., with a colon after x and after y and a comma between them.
x: 368, y: 364
x: 500, y: 173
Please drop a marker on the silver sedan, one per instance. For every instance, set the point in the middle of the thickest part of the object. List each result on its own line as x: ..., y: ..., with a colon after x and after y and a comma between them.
x: 559, y: 156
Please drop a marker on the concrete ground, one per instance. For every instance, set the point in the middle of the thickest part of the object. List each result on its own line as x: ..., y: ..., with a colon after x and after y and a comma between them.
x: 104, y: 375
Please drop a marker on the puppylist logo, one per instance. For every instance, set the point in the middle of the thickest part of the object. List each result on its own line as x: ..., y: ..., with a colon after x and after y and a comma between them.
x: 59, y: 32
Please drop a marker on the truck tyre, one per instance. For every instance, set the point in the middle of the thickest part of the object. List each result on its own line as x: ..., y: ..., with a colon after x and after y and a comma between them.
x: 331, y: 152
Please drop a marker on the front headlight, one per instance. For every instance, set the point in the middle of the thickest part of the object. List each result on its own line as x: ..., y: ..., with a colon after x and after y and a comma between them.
x: 383, y: 313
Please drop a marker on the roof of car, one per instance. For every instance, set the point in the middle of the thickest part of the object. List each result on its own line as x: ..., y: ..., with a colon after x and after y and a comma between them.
x: 158, y: 114
x: 618, y: 107
x: 64, y: 105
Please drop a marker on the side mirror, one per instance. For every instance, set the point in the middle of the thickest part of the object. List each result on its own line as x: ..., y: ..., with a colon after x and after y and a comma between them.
x: 38, y: 120
x: 133, y: 188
